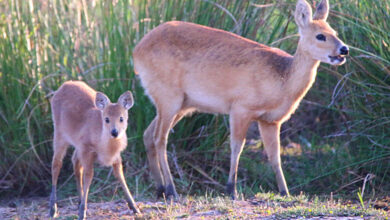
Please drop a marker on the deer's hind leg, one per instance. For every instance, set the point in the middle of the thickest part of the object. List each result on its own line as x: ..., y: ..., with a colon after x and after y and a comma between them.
x: 78, y: 174
x: 153, y: 160
x: 154, y: 164
x: 59, y: 150
x: 167, y: 114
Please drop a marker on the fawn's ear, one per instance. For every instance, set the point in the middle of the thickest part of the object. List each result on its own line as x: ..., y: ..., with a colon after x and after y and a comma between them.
x: 126, y: 100
x: 303, y: 14
x: 322, y: 11
x: 101, y: 100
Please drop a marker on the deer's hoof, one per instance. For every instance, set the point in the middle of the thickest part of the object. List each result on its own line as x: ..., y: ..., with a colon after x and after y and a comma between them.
x: 160, y: 192
x: 170, y: 193
x: 53, y: 211
x: 231, y: 190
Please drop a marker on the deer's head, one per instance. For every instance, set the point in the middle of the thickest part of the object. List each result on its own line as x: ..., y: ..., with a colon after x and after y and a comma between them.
x: 115, y: 115
x: 317, y: 38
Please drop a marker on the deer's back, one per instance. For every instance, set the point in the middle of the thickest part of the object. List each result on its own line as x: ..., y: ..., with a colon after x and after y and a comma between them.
x: 205, y: 62
x: 192, y: 43
x: 73, y: 107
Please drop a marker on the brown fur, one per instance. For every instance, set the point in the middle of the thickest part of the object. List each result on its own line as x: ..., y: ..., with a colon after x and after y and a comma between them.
x: 185, y: 67
x: 79, y: 122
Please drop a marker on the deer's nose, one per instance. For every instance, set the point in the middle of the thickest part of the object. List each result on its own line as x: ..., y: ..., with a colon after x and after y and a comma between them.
x: 114, y: 133
x: 344, y: 50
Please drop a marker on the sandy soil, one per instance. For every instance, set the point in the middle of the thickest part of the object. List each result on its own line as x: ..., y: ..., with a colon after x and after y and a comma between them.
x: 38, y: 209
x: 185, y: 208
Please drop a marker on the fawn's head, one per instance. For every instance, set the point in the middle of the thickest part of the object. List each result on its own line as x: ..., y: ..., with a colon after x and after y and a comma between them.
x: 114, y: 114
x: 317, y: 38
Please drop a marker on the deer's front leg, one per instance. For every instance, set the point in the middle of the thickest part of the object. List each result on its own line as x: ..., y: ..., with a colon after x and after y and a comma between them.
x: 239, y: 123
x: 270, y: 136
x: 118, y: 172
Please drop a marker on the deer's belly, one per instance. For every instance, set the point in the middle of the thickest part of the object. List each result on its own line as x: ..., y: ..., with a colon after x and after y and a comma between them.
x: 280, y: 114
x: 206, y: 102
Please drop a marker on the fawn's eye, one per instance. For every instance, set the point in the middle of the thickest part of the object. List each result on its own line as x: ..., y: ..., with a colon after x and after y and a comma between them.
x: 321, y: 37
x: 121, y: 119
x: 107, y: 120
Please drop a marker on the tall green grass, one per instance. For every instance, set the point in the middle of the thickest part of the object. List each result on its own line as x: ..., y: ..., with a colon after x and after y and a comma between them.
x: 343, y: 125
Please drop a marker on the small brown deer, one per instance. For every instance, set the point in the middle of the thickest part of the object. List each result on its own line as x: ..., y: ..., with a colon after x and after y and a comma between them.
x: 87, y: 120
x: 186, y: 67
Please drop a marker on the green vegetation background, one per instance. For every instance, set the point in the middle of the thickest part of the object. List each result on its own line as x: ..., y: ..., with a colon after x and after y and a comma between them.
x: 339, y: 136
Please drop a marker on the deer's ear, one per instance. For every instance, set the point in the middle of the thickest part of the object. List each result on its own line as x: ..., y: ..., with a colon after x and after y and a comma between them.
x: 322, y: 11
x: 126, y: 100
x: 101, y: 100
x: 303, y: 14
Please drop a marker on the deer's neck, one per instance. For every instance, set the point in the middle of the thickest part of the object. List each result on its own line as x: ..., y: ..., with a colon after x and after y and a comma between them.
x: 302, y: 75
x: 110, y: 149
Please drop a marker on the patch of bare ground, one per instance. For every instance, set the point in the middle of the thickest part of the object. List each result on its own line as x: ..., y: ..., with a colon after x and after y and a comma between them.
x: 262, y: 206
x: 38, y: 209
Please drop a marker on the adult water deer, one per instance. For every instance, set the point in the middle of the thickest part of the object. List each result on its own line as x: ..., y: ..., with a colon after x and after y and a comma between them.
x: 185, y: 67
x: 96, y: 128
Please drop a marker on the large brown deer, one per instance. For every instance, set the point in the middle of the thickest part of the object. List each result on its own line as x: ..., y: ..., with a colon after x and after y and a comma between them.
x: 87, y: 120
x: 186, y: 67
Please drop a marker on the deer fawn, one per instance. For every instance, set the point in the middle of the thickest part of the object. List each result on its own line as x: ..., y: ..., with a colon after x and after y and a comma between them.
x: 96, y: 128
x: 186, y: 67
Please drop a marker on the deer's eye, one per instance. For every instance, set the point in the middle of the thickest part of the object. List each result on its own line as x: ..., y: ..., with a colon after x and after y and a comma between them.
x: 107, y: 120
x: 321, y: 37
x: 121, y: 119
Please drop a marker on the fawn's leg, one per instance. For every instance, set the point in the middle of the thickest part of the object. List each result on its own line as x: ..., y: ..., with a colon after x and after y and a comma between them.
x: 78, y: 173
x: 59, y: 147
x: 118, y: 172
x: 87, y: 163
